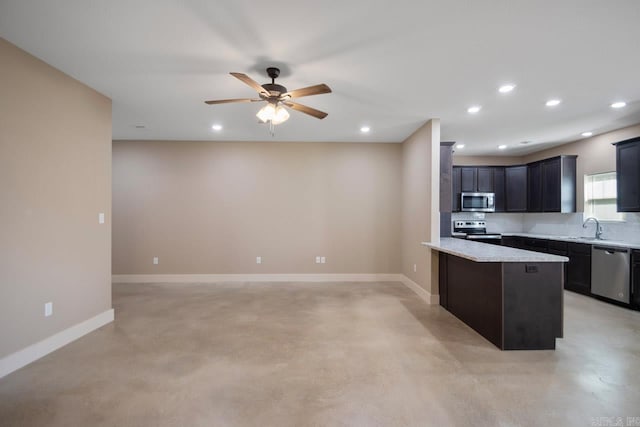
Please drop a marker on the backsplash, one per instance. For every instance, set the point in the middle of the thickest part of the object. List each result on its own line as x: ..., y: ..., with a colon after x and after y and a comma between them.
x: 556, y: 224
x: 571, y: 225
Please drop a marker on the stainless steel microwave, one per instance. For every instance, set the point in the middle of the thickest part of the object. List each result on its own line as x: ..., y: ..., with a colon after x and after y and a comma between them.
x: 478, y: 202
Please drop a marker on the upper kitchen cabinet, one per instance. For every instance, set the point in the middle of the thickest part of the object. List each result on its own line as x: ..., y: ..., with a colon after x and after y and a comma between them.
x: 468, y: 179
x: 446, y: 187
x: 548, y: 185
x: 456, y: 184
x: 485, y: 180
x: 499, y: 188
x: 552, y: 185
x: 515, y: 188
x: 534, y: 187
x: 478, y: 179
x: 628, y: 175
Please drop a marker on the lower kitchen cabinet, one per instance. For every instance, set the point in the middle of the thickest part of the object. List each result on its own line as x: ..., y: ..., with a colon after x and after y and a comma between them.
x: 579, y: 268
x: 537, y: 245
x: 512, y: 241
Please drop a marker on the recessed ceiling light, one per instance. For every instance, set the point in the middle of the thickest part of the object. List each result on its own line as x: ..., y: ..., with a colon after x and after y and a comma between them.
x: 460, y: 146
x: 365, y: 129
x: 618, y: 104
x: 587, y: 133
x: 502, y: 147
x: 474, y: 109
x: 216, y: 127
x: 506, y: 88
x: 553, y: 102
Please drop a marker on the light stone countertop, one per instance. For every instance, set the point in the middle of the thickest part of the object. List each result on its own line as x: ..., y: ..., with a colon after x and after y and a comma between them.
x: 485, y: 252
x: 586, y: 240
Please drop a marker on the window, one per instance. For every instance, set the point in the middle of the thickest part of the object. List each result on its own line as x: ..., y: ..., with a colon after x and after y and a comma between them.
x: 600, y: 197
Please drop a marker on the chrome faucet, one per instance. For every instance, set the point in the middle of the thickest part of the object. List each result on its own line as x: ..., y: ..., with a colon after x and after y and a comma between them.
x: 598, y: 227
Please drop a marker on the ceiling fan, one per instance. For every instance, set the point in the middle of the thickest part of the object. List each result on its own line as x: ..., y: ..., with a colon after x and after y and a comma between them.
x: 277, y: 97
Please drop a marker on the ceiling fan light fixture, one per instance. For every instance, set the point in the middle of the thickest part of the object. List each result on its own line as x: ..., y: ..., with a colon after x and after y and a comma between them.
x: 266, y: 113
x: 272, y: 113
x: 281, y: 115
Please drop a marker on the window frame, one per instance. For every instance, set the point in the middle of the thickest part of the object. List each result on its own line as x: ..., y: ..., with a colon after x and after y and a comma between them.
x: 588, y: 210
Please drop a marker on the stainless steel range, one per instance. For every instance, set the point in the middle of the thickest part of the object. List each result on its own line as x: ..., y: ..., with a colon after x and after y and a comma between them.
x: 475, y: 230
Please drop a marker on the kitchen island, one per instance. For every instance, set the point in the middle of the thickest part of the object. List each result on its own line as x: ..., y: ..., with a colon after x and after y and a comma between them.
x: 512, y: 297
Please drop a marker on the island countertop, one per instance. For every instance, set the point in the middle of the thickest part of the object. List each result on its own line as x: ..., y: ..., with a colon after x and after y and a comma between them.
x: 484, y: 252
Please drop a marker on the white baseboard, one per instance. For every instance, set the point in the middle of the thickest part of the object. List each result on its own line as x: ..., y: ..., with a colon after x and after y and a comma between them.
x: 23, y: 357
x: 425, y: 295
x: 215, y: 278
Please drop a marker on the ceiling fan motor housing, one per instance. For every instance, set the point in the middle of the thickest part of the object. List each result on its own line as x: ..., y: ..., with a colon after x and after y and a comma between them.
x: 274, y: 87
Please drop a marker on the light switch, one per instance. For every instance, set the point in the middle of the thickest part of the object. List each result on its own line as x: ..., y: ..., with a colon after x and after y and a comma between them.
x: 258, y: 260
x: 317, y: 260
x: 101, y: 218
x: 156, y: 261
x: 322, y: 260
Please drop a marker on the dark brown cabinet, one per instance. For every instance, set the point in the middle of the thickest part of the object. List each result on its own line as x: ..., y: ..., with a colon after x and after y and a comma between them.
x: 537, y: 245
x: 551, y: 185
x: 534, y: 187
x: 628, y: 175
x: 485, y: 180
x: 456, y: 184
x: 515, y: 188
x: 446, y: 187
x: 499, y: 188
x: 551, y: 182
x: 468, y: 179
x: 545, y: 186
x: 475, y: 179
x: 513, y: 241
x: 579, y: 268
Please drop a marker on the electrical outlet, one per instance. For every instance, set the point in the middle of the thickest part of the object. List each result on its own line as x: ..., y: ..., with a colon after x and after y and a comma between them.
x: 48, y: 309
x: 101, y: 218
x: 156, y: 261
x: 317, y: 260
x: 322, y: 260
x: 258, y: 260
x: 415, y: 268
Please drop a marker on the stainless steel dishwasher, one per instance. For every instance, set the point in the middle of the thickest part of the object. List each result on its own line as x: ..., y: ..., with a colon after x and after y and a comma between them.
x: 610, y: 271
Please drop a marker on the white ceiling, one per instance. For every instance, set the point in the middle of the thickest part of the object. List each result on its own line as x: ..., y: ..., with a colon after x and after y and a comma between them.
x: 391, y: 65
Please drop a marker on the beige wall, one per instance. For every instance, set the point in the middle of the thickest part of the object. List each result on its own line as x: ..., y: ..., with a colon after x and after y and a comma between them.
x: 55, y: 177
x: 212, y: 207
x: 420, y: 202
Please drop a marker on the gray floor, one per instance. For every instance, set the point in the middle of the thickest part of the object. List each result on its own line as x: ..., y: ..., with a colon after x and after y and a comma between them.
x: 322, y: 354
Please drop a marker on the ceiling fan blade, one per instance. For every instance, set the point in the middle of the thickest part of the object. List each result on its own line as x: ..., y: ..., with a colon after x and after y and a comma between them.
x: 249, y: 81
x: 307, y: 91
x: 228, y: 101
x: 307, y: 110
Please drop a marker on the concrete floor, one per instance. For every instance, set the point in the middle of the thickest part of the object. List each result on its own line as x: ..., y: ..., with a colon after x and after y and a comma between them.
x: 323, y: 354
